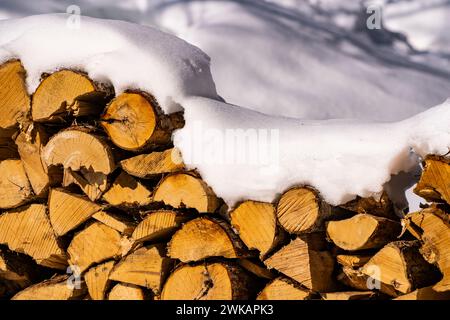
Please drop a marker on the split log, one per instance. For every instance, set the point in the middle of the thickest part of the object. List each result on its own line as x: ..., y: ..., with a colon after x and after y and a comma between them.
x: 283, y: 289
x: 15, y: 189
x: 14, y: 98
x: 302, y: 262
x: 158, y: 225
x: 256, y: 224
x: 95, y: 244
x: 434, y: 182
x: 380, y: 206
x: 28, y: 230
x: 363, y: 231
x: 84, y: 153
x: 118, y: 222
x: 127, y: 192
x: 68, y: 93
x: 97, y: 280
x: 202, y: 238
x: 68, y: 210
x: 183, y: 190
x: 348, y: 295
x: 123, y: 291
x: 57, y: 288
x: 146, y: 267
x: 426, y: 293
x: 134, y: 122
x: 434, y: 226
x: 147, y: 166
x: 30, y: 144
x: 352, y: 260
x: 400, y: 265
x: 208, y: 281
x: 300, y: 210
x: 256, y: 268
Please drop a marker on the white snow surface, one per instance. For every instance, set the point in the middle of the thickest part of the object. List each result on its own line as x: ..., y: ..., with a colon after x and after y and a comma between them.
x: 341, y: 158
x: 125, y: 54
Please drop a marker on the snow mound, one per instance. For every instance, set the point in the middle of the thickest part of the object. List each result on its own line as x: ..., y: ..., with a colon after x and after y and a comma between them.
x: 124, y: 54
x: 242, y: 154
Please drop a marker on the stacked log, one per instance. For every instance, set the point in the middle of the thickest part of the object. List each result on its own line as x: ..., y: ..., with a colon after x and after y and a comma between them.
x: 96, y: 204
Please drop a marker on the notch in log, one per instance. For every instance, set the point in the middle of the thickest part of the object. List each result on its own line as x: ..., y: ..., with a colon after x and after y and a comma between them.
x: 68, y: 93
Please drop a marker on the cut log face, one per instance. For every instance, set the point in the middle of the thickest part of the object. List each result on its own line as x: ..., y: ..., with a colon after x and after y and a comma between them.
x: 94, y: 244
x: 300, y: 262
x: 127, y: 192
x: 65, y: 93
x: 435, y: 234
x: 381, y: 207
x: 158, y: 225
x: 76, y: 149
x: 363, y: 231
x: 348, y: 295
x: 81, y: 152
x: 68, y: 210
x: 426, y: 293
x: 300, y: 211
x: 352, y: 260
x: 400, y: 265
x: 30, y: 144
x: 434, y: 182
x: 203, y: 238
x: 15, y: 189
x: 146, y: 267
x: 97, y: 280
x: 150, y: 165
x: 182, y: 190
x: 117, y: 222
x: 209, y: 281
x: 124, y: 291
x: 133, y: 122
x: 283, y: 289
x: 256, y: 224
x: 14, y: 98
x: 28, y: 230
x: 57, y: 288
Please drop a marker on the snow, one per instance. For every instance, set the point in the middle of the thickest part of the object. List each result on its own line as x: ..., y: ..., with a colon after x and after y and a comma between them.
x: 124, y: 54
x: 286, y: 62
x: 341, y: 158
x: 426, y: 23
x: 275, y: 63
x: 294, y: 58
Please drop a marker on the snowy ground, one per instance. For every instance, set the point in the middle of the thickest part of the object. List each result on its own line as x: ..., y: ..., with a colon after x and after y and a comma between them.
x: 298, y: 58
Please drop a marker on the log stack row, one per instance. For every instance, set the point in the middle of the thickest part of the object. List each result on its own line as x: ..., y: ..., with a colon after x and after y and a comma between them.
x: 96, y: 203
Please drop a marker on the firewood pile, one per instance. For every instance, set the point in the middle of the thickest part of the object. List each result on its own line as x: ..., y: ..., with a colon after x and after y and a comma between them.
x: 95, y: 203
